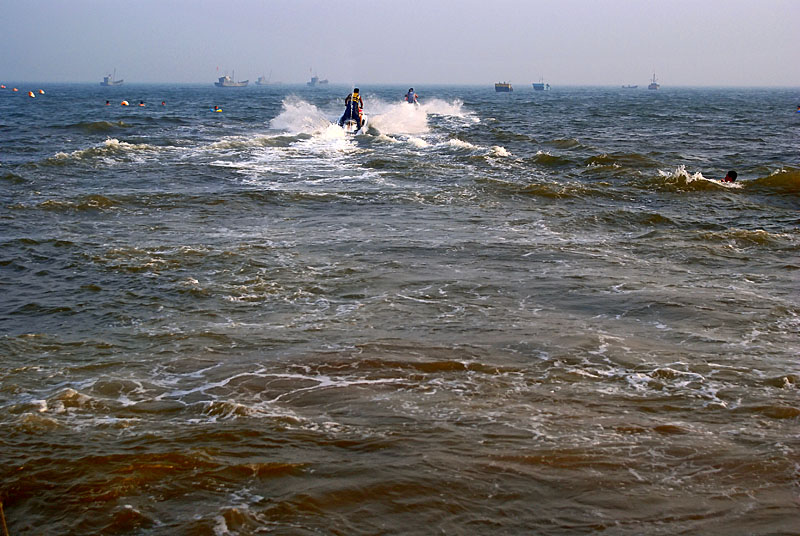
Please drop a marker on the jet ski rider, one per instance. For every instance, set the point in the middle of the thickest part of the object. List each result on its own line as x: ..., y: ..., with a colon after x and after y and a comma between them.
x: 411, y: 97
x: 353, y: 105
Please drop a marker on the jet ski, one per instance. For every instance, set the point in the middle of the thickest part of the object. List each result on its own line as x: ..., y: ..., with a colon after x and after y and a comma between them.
x: 353, y: 114
x: 350, y: 126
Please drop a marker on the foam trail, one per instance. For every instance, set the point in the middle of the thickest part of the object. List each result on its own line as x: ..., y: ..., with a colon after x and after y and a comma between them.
x: 398, y: 118
x: 300, y: 117
x: 440, y: 107
x: 388, y: 118
x: 401, y: 118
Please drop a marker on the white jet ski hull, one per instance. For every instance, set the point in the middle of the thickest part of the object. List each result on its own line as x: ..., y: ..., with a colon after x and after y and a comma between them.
x: 351, y: 126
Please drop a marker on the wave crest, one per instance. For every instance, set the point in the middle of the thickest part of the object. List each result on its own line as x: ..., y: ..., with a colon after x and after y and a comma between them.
x: 110, y: 148
x: 99, y: 126
x: 90, y: 202
x: 680, y: 180
x: 785, y: 180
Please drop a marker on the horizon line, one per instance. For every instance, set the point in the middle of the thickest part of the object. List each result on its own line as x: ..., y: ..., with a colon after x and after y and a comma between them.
x: 443, y: 84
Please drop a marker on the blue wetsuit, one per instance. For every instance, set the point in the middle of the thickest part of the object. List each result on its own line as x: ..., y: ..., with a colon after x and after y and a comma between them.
x: 352, y: 105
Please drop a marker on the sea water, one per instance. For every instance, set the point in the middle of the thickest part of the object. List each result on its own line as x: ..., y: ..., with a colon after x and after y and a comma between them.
x: 518, y: 313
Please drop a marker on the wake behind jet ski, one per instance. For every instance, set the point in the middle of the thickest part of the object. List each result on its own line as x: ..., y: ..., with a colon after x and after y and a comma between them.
x: 353, y: 120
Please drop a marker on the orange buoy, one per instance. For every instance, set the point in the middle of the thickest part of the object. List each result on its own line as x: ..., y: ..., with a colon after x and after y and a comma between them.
x: 31, y: 95
x: 15, y: 89
x: 2, y: 87
x: 41, y: 92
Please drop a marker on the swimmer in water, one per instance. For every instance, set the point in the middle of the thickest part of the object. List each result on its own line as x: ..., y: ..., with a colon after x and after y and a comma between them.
x: 730, y: 177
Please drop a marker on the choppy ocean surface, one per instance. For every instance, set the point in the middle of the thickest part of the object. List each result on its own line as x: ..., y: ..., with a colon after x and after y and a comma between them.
x: 524, y: 313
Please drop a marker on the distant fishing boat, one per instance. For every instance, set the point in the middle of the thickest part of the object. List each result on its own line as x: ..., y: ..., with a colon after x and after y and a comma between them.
x: 316, y: 81
x: 653, y: 83
x: 227, y: 81
x: 541, y: 86
x: 503, y: 87
x: 630, y: 87
x: 110, y: 80
x: 263, y: 81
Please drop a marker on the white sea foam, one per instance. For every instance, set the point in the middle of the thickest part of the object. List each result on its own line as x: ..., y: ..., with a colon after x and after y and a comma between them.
x: 681, y: 174
x: 387, y: 118
x: 300, y: 117
x: 109, y: 148
x: 498, y: 150
x: 460, y: 144
x: 448, y: 109
x: 398, y: 118
x: 419, y: 143
x: 402, y: 118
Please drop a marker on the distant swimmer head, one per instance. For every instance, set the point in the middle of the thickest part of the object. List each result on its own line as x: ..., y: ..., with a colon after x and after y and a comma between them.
x: 730, y: 177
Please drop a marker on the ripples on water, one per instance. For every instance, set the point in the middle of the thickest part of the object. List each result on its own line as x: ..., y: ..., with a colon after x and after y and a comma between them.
x: 520, y: 313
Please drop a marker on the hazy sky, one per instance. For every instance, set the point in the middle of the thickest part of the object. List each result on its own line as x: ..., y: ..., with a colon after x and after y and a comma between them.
x: 408, y: 42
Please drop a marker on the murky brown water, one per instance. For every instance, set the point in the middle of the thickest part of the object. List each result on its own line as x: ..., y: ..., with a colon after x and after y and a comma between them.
x: 489, y: 317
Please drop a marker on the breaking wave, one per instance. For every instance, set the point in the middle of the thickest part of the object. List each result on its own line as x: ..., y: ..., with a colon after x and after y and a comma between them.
x: 681, y: 180
x: 110, y: 148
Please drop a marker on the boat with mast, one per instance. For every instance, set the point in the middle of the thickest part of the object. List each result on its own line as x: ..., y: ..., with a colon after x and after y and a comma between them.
x: 110, y: 80
x: 540, y: 85
x: 262, y: 81
x: 228, y: 81
x: 316, y: 81
x: 653, y: 83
